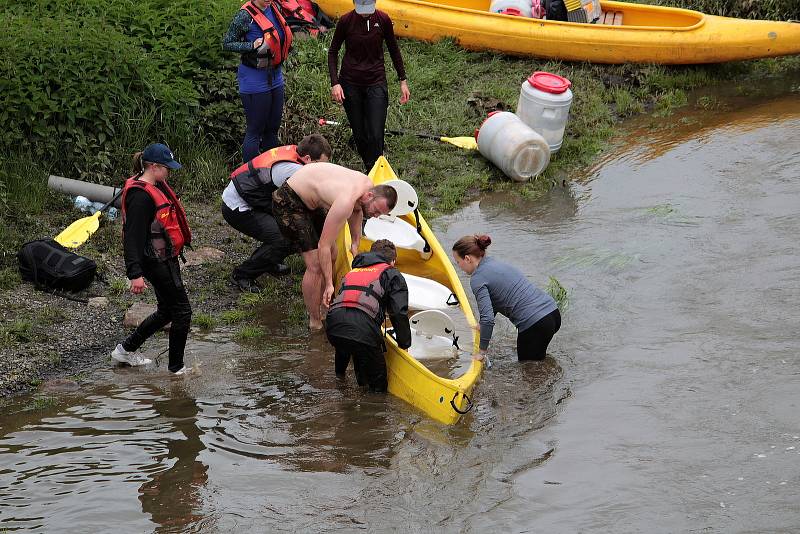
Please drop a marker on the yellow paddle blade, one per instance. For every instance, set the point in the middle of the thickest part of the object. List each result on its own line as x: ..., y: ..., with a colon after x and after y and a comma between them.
x: 78, y: 232
x: 468, y: 143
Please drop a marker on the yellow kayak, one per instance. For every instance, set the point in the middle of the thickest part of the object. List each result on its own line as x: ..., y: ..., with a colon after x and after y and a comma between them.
x: 443, y: 399
x: 647, y: 34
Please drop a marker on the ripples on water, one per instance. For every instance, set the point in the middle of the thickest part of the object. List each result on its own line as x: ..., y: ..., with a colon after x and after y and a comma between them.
x: 668, y: 402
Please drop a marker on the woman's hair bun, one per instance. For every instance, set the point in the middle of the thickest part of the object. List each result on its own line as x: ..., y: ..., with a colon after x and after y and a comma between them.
x: 483, y: 241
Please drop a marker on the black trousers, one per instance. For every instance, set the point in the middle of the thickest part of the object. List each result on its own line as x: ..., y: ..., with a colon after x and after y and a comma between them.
x: 532, y: 343
x: 369, y: 362
x: 173, y: 307
x: 261, y: 226
x: 366, y: 109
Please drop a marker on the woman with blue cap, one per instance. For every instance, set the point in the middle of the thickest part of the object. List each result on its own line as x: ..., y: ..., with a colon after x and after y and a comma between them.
x: 155, y: 231
x: 361, y: 85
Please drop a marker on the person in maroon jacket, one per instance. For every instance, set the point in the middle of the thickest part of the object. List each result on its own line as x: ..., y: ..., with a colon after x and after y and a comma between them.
x: 361, y: 84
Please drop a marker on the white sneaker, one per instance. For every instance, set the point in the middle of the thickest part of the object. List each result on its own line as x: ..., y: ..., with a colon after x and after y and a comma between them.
x: 131, y: 358
x: 184, y: 371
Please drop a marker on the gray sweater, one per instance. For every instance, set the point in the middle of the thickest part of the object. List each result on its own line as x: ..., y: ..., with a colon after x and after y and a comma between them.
x: 501, y: 288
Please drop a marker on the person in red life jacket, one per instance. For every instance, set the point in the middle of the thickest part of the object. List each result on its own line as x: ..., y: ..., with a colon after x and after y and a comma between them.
x: 361, y: 85
x: 247, y: 205
x: 262, y: 36
x: 371, y: 290
x: 155, y: 231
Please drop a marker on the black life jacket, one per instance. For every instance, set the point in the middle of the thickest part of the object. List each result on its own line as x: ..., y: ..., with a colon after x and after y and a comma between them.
x: 253, y: 180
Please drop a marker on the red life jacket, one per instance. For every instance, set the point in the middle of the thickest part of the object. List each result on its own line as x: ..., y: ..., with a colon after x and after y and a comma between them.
x: 302, y: 11
x: 169, y: 231
x: 361, y: 289
x: 271, y: 37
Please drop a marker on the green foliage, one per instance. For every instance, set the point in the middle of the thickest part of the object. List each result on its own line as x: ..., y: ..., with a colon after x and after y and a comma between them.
x: 204, y: 321
x: 17, y: 331
x: 235, y: 316
x: 559, y: 293
x: 745, y: 9
x: 9, y: 278
x: 250, y: 333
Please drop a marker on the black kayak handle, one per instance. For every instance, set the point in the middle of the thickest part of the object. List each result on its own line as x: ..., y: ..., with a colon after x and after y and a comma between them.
x: 453, y: 403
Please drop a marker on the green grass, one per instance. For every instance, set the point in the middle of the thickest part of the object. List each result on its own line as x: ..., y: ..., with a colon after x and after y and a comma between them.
x: 250, y: 333
x: 559, y: 293
x: 235, y: 316
x: 9, y: 278
x: 204, y: 321
x: 17, y: 331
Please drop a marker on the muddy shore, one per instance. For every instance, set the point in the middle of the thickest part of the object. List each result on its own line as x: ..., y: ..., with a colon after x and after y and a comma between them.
x: 45, y: 336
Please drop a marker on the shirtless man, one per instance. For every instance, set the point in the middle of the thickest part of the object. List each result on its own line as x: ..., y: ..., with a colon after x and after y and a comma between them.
x: 311, y: 208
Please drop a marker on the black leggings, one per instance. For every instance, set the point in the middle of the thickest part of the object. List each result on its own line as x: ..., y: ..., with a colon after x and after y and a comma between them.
x: 366, y: 109
x: 369, y: 362
x: 532, y: 342
x: 173, y: 307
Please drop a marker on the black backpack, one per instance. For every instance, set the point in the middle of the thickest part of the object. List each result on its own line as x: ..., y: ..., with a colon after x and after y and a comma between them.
x: 52, y: 267
x: 555, y: 10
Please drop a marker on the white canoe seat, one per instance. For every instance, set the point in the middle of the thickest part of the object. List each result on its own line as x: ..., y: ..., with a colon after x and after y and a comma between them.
x: 407, y: 200
x: 398, y: 231
x: 425, y: 294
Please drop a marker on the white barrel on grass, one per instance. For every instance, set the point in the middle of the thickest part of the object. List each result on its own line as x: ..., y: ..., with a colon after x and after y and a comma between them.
x: 513, y: 146
x: 544, y: 101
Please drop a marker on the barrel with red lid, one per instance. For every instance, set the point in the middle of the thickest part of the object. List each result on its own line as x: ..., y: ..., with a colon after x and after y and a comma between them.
x: 544, y: 103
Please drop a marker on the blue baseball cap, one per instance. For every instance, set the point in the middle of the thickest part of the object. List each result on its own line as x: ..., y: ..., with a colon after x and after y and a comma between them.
x: 365, y: 7
x: 160, y: 153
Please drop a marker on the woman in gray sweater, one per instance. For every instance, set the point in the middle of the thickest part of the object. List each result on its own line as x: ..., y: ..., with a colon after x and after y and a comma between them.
x: 501, y: 288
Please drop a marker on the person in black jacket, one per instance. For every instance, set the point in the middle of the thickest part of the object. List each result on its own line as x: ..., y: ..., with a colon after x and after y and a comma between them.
x: 155, y: 231
x: 353, y: 325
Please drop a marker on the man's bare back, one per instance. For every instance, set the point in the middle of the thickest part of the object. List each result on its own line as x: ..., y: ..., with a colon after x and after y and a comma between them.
x: 320, y: 184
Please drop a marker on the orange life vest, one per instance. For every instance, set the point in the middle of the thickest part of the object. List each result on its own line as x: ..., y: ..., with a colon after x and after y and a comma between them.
x: 169, y: 231
x: 253, y: 180
x: 302, y: 11
x: 267, y: 159
x: 361, y: 289
x: 271, y: 37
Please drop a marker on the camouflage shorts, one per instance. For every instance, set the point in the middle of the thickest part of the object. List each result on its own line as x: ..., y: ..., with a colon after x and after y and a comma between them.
x: 298, y: 224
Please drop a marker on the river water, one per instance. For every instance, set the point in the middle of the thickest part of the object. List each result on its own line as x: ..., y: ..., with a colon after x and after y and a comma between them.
x: 669, y: 402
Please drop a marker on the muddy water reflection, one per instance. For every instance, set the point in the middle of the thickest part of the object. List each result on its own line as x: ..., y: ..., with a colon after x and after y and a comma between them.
x: 670, y: 403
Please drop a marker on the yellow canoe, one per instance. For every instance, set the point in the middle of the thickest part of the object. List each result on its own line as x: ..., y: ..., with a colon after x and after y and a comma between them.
x: 648, y: 34
x: 443, y: 399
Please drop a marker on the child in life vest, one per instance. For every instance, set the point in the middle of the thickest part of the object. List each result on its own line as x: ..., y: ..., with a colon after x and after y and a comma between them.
x: 373, y: 289
x: 155, y: 231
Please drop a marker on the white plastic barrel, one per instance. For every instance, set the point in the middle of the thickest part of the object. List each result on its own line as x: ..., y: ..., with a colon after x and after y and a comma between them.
x: 523, y: 7
x: 544, y: 101
x: 515, y: 148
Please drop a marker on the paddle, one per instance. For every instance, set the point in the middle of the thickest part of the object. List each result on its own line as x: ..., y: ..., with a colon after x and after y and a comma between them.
x: 78, y: 232
x: 466, y: 142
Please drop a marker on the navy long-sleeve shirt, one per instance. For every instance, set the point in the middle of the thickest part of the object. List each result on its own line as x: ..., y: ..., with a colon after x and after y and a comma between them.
x: 501, y: 288
x: 362, y: 64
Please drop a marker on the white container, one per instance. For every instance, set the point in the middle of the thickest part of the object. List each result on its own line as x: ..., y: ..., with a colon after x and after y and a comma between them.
x: 515, y: 148
x: 521, y: 6
x: 544, y: 102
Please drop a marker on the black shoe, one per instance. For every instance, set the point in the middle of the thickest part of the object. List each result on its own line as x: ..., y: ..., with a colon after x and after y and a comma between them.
x: 246, y: 285
x: 280, y: 269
